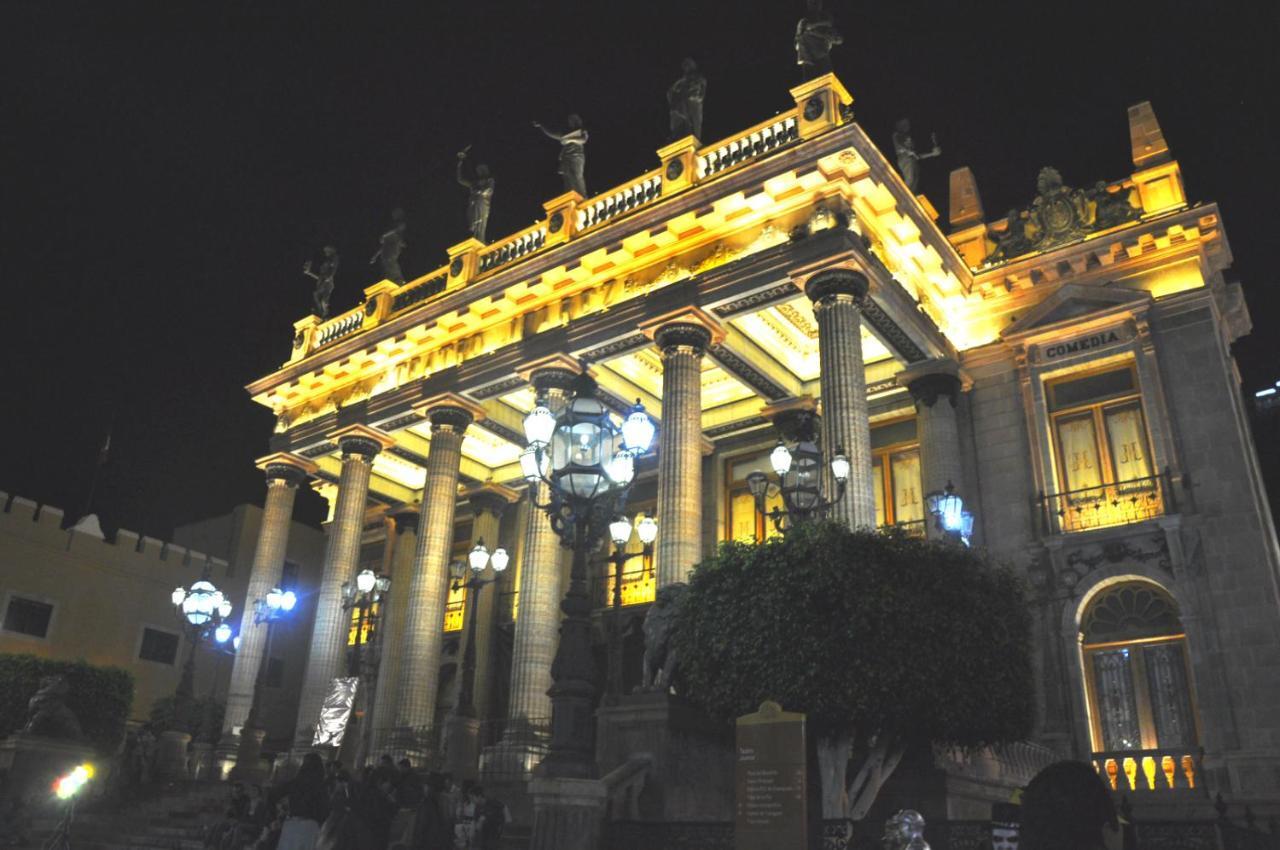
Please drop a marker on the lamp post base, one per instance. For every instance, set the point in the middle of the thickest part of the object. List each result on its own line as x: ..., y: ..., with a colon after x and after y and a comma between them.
x: 249, y: 755
x: 462, y: 746
x: 568, y: 814
x: 171, y: 755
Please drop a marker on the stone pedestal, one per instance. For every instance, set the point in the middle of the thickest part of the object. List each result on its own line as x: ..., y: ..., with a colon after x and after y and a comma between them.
x: 200, y: 766
x: 32, y: 763
x: 462, y: 746
x: 568, y: 814
x: 171, y: 755
x: 248, y: 757
x: 692, y: 774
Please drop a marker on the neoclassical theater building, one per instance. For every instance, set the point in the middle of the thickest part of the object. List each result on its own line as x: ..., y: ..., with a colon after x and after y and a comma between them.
x: 1066, y: 369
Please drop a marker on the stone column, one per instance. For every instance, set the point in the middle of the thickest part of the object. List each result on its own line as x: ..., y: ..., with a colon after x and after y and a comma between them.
x: 393, y: 630
x: 537, y: 626
x: 679, y: 544
x: 845, y: 427
x: 419, y: 678
x: 935, y: 386
x: 489, y: 504
x: 359, y: 444
x: 284, y: 473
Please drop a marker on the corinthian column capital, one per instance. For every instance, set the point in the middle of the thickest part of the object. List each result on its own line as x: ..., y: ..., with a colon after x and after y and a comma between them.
x: 835, y: 284
x: 689, y: 329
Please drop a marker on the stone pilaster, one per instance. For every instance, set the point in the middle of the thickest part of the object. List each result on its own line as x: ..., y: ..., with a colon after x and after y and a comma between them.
x: 393, y: 631
x: 359, y: 445
x: 935, y: 386
x: 845, y: 428
x: 679, y: 546
x: 284, y: 472
x: 428, y: 587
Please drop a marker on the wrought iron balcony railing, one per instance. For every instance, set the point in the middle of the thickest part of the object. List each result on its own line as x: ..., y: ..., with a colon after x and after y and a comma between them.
x: 911, y: 528
x: 1119, y: 503
x: 1148, y: 771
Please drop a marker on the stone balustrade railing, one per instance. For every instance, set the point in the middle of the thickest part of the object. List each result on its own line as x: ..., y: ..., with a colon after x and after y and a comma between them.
x: 618, y: 201
x: 759, y: 140
x: 684, y: 166
x: 1139, y: 771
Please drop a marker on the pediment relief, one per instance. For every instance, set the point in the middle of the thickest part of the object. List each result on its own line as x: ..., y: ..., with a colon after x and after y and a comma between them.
x: 1072, y: 302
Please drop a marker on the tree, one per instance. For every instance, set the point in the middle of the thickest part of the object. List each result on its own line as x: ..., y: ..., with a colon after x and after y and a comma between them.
x: 883, y: 640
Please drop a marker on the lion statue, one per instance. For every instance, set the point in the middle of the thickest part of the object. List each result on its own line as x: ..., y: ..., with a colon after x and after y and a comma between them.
x: 659, y: 625
x: 47, y: 712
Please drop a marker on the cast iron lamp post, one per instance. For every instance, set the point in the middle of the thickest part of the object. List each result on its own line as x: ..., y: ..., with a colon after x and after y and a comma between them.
x: 588, y: 464
x: 202, y: 610
x: 620, y: 529
x: 477, y: 559
x: 275, y: 607
x: 362, y: 595
x: 948, y: 510
x: 800, y: 474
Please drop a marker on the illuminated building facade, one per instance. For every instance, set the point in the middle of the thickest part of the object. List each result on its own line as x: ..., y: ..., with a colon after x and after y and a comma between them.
x: 1067, y: 369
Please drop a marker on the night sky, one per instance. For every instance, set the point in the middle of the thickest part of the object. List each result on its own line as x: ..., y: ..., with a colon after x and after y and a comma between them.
x: 166, y: 172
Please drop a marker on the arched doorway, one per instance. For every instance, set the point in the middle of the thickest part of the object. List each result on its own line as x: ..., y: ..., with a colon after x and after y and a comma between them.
x: 1138, y: 687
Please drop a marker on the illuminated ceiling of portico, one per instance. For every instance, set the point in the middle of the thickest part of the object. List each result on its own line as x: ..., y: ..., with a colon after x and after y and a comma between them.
x: 480, y: 445
x: 401, y: 471
x: 789, y: 333
x: 643, y: 369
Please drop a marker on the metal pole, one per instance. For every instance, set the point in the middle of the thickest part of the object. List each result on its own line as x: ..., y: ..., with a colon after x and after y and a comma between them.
x: 615, y: 632
x: 466, y: 690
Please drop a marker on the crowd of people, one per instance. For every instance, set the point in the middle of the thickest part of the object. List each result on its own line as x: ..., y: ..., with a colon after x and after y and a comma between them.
x: 388, y: 807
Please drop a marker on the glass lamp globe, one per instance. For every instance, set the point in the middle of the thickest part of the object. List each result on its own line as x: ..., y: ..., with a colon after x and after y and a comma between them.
x: 383, y: 583
x: 365, y: 581
x: 224, y: 608
x: 222, y: 633
x: 757, y: 483
x: 780, y: 457
x: 637, y: 430
x: 647, y: 530
x: 539, y: 425
x: 178, y: 595
x: 235, y: 643
x: 288, y: 599
x: 478, y: 557
x: 840, y: 468
x: 275, y: 599
x: 534, y: 465
x: 499, y: 559
x: 950, y: 508
x: 622, y: 468
x: 620, y: 530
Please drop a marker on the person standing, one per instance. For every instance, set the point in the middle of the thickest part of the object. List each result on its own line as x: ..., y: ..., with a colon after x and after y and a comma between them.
x: 308, y: 805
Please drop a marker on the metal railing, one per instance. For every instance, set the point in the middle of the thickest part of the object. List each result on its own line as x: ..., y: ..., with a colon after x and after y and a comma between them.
x: 639, y: 587
x: 1106, y: 505
x: 911, y: 528
x: 1144, y: 771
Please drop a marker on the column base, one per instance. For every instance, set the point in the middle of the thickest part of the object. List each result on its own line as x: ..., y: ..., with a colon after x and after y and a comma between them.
x: 462, y: 746
x: 568, y: 814
x: 171, y: 755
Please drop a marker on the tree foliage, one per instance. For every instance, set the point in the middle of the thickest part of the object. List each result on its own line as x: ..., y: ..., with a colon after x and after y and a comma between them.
x: 99, y: 697
x: 868, y: 633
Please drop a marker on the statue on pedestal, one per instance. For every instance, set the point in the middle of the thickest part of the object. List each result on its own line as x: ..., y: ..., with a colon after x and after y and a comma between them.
x: 816, y: 34
x: 684, y: 99
x: 324, y: 279
x: 660, y: 659
x: 390, y: 246
x: 47, y: 712
x: 904, y: 831
x: 573, y: 154
x: 904, y: 149
x: 480, y: 197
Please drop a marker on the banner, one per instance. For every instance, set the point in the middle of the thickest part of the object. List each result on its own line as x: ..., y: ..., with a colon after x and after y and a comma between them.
x: 335, y: 711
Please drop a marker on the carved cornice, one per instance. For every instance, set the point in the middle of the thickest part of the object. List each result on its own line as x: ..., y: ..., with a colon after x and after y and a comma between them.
x: 781, y: 292
x: 515, y: 382
x: 890, y: 330
x: 734, y: 427
x: 552, y: 378
x: 508, y: 434
x: 749, y: 374
x: 618, y: 346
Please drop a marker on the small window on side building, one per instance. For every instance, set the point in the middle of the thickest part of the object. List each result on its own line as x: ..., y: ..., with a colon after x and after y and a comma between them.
x: 28, y: 616
x: 160, y: 647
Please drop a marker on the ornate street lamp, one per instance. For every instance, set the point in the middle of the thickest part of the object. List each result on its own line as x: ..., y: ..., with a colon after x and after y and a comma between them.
x: 620, y: 530
x: 202, y: 610
x: 588, y: 464
x: 800, y: 474
x: 364, y: 595
x: 949, y: 513
x: 275, y: 606
x: 477, y: 560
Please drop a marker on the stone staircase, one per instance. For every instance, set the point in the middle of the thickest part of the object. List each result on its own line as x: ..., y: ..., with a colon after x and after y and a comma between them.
x: 174, y: 817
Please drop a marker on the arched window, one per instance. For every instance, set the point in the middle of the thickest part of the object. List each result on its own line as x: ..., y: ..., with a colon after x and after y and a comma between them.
x: 1136, y: 673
